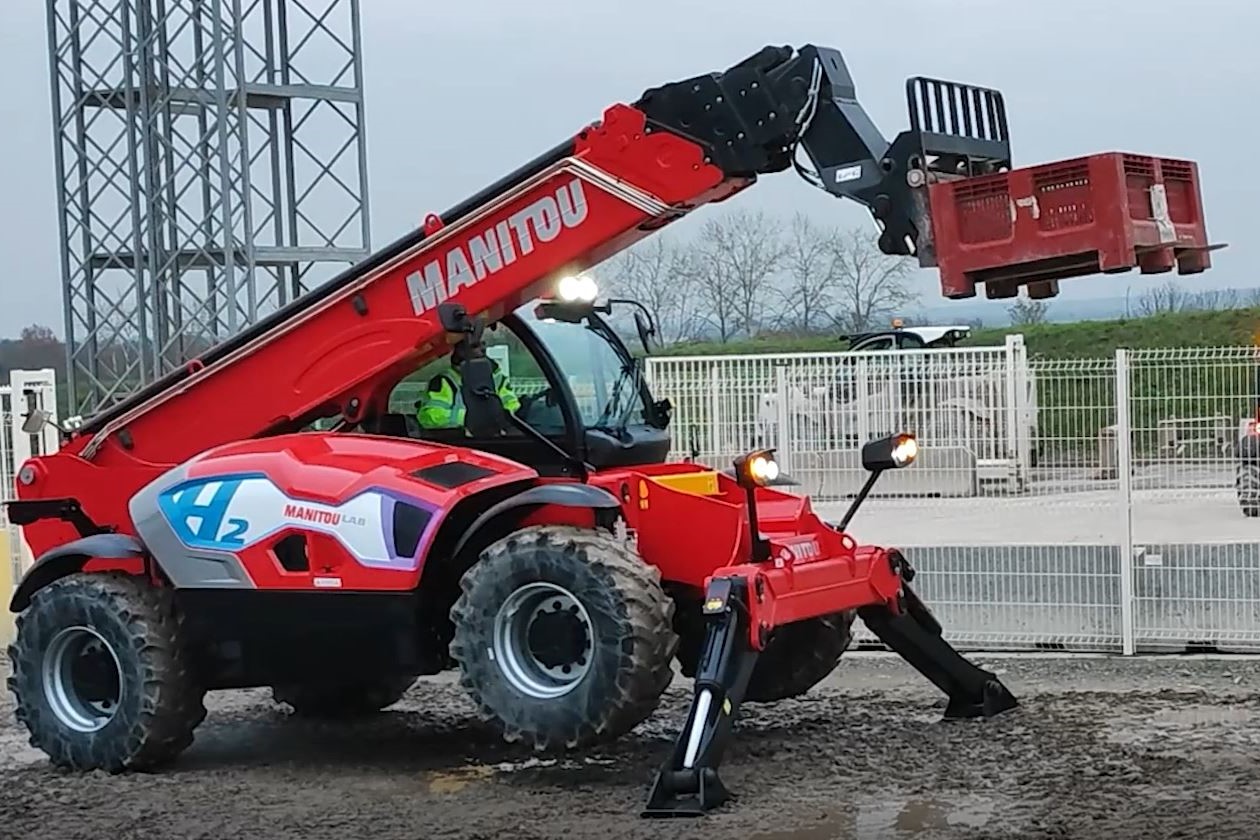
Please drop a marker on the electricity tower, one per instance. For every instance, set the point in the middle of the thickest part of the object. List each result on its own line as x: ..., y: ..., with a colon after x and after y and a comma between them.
x: 211, y: 167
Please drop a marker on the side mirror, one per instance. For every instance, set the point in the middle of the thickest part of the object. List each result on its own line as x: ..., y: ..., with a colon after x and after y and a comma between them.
x: 890, y: 453
x: 483, y: 410
x: 35, y: 421
x: 645, y: 330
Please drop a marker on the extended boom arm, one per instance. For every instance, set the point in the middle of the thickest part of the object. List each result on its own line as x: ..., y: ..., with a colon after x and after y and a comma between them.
x: 339, y: 348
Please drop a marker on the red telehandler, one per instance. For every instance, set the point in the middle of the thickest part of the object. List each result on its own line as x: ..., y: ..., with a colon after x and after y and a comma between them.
x: 201, y: 535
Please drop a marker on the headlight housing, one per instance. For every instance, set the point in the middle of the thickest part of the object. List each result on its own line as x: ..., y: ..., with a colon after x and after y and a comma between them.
x: 890, y: 453
x: 757, y: 469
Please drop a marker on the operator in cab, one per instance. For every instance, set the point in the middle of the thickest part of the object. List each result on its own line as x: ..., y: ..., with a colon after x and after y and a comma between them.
x: 442, y: 406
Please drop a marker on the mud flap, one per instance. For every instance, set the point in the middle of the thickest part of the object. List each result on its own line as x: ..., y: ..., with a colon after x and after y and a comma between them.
x: 915, y: 635
x: 688, y: 784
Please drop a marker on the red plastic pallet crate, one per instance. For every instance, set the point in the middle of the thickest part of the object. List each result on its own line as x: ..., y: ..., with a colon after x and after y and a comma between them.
x: 1036, y: 225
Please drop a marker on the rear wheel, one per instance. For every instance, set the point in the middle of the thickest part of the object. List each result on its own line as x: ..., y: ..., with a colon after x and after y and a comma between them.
x: 1247, y: 485
x: 100, y: 675
x: 563, y: 636
x: 798, y: 657
x: 347, y: 699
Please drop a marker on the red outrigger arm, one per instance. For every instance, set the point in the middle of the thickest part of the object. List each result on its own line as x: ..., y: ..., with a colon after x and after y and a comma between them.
x: 804, y: 569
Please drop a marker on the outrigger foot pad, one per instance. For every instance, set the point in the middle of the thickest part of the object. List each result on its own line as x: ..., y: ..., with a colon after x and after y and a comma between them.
x: 995, y: 699
x: 686, y: 793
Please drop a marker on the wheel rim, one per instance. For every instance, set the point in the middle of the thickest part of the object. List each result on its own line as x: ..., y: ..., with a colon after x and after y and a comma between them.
x: 543, y: 640
x: 82, y: 679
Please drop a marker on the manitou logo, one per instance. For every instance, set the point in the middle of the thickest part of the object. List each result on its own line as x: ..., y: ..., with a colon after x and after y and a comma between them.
x: 800, y: 552
x: 485, y: 254
x: 306, y: 514
x: 321, y: 517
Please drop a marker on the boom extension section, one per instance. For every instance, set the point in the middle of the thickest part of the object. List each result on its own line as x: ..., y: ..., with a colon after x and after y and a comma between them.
x: 754, y: 118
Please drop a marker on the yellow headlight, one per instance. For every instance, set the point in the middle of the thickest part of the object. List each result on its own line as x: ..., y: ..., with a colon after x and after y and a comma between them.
x: 906, y: 450
x: 763, y: 469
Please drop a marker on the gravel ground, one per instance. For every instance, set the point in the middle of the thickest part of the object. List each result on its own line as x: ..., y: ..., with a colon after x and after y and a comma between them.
x: 1100, y: 748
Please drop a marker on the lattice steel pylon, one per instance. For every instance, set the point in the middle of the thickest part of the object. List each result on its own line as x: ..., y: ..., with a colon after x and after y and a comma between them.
x: 211, y: 162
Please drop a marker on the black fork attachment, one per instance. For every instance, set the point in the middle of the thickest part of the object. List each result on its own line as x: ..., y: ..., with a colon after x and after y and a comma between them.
x: 688, y: 784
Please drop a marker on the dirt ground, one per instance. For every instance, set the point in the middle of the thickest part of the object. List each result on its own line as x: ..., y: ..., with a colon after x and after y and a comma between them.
x: 1100, y: 748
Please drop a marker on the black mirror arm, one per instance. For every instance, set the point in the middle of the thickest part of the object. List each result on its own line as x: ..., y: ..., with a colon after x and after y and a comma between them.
x: 607, y: 309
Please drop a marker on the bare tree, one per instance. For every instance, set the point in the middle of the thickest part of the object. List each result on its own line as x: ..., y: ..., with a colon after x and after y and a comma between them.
x: 1026, y: 311
x: 809, y: 276
x: 1215, y: 299
x: 655, y: 273
x: 742, y: 251
x: 718, y: 303
x: 1157, y: 300
x: 869, y: 284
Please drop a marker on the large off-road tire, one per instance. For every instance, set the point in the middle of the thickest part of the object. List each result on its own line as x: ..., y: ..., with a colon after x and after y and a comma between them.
x: 100, y: 674
x: 342, y: 700
x: 1247, y: 485
x: 799, y: 656
x: 564, y: 637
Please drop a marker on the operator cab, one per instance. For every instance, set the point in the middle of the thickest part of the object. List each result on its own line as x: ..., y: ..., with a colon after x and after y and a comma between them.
x: 578, y: 386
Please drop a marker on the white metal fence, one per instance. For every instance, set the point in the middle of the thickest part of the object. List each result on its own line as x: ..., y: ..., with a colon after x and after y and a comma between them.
x: 26, y: 389
x: 1078, y: 504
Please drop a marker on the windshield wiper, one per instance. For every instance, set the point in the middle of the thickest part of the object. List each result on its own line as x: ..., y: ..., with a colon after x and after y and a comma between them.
x: 630, y: 373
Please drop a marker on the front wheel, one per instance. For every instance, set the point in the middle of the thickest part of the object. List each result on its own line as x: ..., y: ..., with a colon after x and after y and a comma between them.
x: 100, y: 674
x: 1247, y: 487
x: 563, y: 636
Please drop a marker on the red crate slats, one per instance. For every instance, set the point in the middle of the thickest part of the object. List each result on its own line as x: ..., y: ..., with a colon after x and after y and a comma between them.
x: 1036, y: 225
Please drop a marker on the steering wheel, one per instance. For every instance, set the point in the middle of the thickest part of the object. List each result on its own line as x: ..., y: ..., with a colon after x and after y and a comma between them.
x: 528, y: 401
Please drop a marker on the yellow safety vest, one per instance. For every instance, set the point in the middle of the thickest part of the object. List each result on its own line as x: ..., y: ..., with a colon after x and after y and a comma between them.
x: 443, y: 404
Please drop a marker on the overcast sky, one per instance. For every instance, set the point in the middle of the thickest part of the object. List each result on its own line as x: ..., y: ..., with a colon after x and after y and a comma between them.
x: 459, y: 94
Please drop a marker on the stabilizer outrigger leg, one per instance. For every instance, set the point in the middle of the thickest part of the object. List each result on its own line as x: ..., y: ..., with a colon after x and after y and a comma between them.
x: 915, y: 634
x: 688, y: 785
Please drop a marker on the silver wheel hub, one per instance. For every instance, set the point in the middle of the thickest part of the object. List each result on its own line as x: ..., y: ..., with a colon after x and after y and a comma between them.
x: 82, y: 679
x: 543, y: 640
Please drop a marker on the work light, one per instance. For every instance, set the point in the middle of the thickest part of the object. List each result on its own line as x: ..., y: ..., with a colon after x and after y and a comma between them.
x: 577, y: 289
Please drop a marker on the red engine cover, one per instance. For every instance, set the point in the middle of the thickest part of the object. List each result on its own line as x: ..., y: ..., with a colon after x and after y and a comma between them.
x: 366, y: 509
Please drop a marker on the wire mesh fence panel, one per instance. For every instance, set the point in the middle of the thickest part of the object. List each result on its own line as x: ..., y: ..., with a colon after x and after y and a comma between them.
x: 958, y: 402
x: 717, y: 403
x: 1012, y: 513
x: 1026, y: 554
x: 1196, y: 537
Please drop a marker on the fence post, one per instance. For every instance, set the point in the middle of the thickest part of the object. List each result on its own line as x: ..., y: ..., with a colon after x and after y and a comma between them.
x: 862, y: 399
x: 1022, y: 434
x: 783, y: 439
x: 715, y: 409
x: 1007, y: 445
x: 1124, y: 470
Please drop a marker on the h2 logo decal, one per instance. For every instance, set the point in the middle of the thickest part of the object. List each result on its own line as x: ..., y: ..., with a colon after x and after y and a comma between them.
x: 198, y: 512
